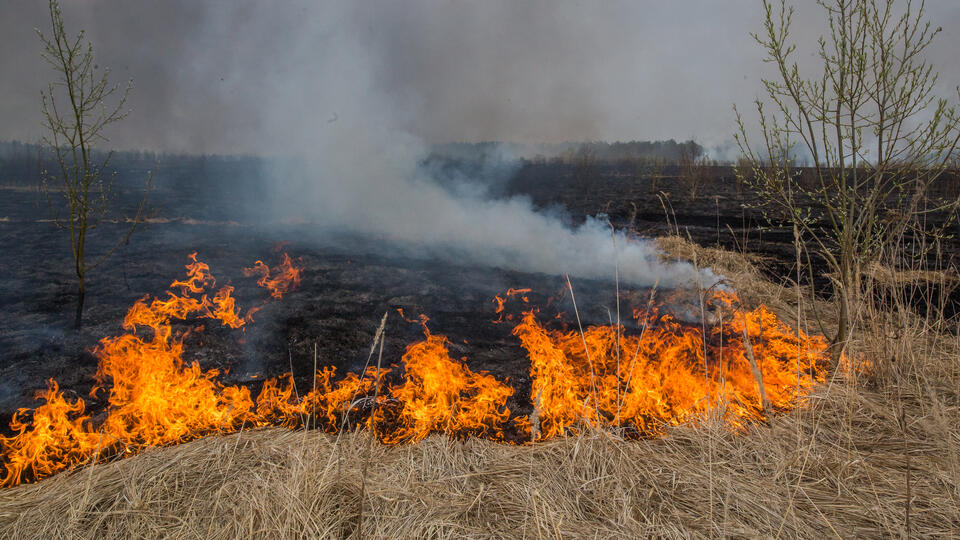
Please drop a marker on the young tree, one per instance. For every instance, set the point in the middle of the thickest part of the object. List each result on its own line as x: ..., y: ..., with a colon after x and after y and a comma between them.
x: 877, y: 136
x: 694, y: 168
x: 76, y: 111
x: 584, y: 161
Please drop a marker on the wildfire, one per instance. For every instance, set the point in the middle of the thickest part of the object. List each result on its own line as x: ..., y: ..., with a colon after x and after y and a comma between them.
x: 323, y: 406
x: 441, y: 394
x: 282, y: 279
x: 436, y: 394
x: 153, y: 397
x: 746, y: 365
x: 501, y: 302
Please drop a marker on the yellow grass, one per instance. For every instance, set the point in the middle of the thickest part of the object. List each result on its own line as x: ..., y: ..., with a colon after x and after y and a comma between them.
x: 842, y: 466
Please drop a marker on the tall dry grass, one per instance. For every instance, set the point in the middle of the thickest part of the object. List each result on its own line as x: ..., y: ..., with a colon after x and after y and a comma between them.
x: 871, y: 454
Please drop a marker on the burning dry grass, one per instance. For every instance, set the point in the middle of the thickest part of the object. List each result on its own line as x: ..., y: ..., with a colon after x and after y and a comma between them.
x: 836, y: 469
x: 664, y: 373
x: 871, y: 454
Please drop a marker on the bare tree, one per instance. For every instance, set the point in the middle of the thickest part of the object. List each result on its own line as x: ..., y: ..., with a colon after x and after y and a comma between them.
x: 694, y: 168
x: 877, y: 136
x: 584, y: 161
x: 76, y: 111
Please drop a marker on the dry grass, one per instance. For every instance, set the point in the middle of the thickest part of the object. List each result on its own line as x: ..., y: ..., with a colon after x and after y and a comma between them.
x: 843, y: 465
x: 740, y: 272
x: 890, y: 276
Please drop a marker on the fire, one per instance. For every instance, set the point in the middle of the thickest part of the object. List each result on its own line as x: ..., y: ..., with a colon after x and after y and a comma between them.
x: 154, y: 398
x: 436, y: 394
x: 501, y: 302
x: 325, y: 405
x: 281, y: 280
x: 744, y: 365
x: 57, y: 436
x: 669, y: 372
x: 441, y: 394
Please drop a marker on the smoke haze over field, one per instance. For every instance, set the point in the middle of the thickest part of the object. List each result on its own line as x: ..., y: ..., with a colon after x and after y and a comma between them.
x: 221, y: 76
x: 360, y: 89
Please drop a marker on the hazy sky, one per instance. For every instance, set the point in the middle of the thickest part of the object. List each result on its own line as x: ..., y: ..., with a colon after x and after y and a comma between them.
x: 249, y: 76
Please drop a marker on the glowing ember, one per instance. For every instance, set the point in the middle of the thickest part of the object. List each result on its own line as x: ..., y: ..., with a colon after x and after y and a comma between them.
x: 746, y: 365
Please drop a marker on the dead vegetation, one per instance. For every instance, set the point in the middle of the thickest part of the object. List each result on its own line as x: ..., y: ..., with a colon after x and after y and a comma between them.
x: 874, y: 452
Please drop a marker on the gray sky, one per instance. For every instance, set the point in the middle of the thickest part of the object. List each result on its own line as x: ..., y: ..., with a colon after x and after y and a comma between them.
x: 248, y: 76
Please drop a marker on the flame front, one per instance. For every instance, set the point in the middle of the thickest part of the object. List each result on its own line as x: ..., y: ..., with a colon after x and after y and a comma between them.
x: 441, y: 394
x: 668, y: 373
x: 747, y: 364
x: 154, y: 398
x: 57, y: 436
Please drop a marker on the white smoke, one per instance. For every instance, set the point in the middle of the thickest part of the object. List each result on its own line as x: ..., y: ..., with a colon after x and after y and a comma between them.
x: 357, y: 90
x: 363, y: 176
x: 497, y: 233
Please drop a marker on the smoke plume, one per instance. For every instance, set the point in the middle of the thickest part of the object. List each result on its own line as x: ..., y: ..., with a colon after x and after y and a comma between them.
x: 360, y: 174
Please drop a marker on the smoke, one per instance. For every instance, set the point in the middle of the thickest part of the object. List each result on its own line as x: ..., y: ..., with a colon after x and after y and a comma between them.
x: 359, y: 173
x: 357, y: 91
x: 428, y: 220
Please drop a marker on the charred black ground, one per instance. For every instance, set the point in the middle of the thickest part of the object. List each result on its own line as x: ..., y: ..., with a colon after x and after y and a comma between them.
x: 348, y: 283
x: 337, y: 307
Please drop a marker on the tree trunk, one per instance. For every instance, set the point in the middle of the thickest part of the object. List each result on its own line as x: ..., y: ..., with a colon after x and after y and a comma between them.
x: 81, y: 293
x: 847, y: 290
x: 843, y: 327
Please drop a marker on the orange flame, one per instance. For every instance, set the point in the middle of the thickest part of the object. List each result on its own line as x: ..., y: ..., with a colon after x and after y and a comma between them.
x: 282, y: 279
x: 662, y: 376
x: 441, y: 394
x: 154, y: 398
x: 748, y: 365
x: 501, y: 302
x: 57, y: 436
x: 326, y: 403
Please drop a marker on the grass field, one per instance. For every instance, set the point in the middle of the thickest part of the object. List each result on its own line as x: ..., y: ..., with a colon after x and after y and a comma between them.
x: 875, y: 452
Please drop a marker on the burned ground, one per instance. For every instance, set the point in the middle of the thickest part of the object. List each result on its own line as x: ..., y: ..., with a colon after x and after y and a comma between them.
x: 348, y: 283
x: 336, y: 309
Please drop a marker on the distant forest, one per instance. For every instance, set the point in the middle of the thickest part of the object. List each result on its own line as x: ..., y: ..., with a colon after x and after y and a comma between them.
x: 669, y: 151
x: 22, y: 163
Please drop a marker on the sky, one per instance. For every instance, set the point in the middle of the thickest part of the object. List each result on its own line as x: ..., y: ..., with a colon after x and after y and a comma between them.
x: 245, y: 76
x: 359, y: 90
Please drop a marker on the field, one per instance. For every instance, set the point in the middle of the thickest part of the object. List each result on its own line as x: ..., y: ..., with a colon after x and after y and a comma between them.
x: 872, y: 452
x: 350, y: 281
